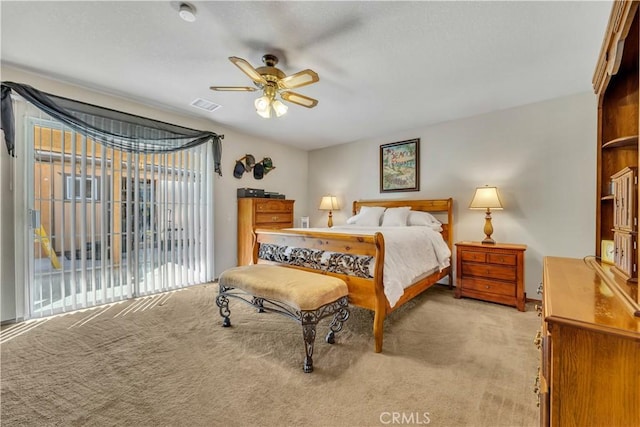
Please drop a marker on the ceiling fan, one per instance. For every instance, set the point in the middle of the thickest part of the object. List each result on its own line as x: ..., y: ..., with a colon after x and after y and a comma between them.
x: 273, y: 81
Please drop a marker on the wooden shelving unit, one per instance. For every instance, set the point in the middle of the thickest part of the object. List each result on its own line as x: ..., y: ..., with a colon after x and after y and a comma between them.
x: 616, y: 82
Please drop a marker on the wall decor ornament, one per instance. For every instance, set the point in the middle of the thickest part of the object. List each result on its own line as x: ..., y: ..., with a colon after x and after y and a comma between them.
x: 400, y: 166
x: 248, y: 163
x: 243, y: 164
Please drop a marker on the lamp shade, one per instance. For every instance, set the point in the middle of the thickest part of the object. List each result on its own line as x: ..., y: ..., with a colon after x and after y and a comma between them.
x: 329, y: 203
x: 486, y: 198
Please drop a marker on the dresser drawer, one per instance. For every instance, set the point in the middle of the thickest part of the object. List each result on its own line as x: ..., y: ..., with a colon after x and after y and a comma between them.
x: 474, y: 256
x: 273, y: 206
x: 506, y: 259
x: 489, y: 286
x: 490, y: 271
x: 273, y: 217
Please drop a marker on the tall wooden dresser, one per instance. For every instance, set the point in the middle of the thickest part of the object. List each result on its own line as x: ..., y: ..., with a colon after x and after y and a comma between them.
x: 589, y: 346
x: 260, y: 213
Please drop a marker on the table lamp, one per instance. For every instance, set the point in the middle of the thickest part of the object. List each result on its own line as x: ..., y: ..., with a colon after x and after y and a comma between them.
x: 486, y: 198
x: 329, y: 203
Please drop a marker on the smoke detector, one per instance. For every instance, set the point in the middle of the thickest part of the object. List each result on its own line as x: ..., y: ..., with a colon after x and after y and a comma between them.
x: 187, y: 12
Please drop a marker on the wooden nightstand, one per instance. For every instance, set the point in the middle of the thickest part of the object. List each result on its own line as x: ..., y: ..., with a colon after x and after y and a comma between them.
x: 491, y: 272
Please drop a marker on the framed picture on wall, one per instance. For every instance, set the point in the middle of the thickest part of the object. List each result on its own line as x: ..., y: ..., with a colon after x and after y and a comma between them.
x: 400, y: 166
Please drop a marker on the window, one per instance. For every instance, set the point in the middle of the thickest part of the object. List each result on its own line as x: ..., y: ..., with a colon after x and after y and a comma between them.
x: 91, y: 188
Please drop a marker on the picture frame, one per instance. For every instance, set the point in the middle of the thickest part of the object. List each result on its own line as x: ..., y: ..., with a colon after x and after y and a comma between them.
x: 400, y: 166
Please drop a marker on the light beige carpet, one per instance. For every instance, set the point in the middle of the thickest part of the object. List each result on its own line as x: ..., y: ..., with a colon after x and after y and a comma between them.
x: 446, y: 362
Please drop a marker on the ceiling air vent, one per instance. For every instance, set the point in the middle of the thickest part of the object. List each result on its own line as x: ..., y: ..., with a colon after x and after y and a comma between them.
x: 205, y: 105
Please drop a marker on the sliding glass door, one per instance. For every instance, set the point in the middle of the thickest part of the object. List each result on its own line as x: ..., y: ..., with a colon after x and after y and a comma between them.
x: 105, y: 225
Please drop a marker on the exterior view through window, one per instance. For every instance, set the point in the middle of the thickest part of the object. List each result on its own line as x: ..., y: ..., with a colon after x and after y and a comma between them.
x: 105, y: 225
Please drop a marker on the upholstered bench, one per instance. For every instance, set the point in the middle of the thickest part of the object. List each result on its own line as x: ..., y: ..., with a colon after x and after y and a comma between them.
x: 304, y: 296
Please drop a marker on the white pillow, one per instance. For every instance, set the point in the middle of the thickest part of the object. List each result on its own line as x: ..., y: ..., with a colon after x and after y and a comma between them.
x: 435, y: 227
x: 352, y: 220
x: 422, y: 218
x: 369, y: 216
x: 396, y: 217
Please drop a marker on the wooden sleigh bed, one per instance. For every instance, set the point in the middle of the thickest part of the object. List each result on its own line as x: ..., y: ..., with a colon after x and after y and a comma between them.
x: 365, y: 292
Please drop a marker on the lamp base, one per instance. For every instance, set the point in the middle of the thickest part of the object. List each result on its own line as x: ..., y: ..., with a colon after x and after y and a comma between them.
x: 330, y: 222
x: 488, y: 229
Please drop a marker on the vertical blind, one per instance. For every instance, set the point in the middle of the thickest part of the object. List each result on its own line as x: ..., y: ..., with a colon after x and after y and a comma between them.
x: 114, y: 225
x: 123, y: 205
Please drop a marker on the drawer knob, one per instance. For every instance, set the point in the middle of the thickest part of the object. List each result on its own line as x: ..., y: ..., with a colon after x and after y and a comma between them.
x: 487, y: 287
x: 538, y: 340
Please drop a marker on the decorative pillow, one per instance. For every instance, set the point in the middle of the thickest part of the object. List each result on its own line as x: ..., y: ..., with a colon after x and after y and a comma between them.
x: 396, y: 217
x: 422, y: 218
x: 369, y: 216
x: 352, y: 220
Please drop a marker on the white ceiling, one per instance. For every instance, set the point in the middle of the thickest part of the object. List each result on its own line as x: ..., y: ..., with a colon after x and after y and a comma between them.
x: 384, y: 66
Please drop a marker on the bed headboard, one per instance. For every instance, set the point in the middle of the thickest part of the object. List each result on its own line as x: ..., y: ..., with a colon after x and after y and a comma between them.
x: 426, y: 205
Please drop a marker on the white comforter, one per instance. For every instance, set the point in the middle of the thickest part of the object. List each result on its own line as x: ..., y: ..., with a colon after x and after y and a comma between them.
x: 410, y: 253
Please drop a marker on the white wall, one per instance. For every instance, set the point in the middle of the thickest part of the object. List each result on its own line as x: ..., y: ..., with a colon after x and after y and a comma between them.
x: 289, y: 177
x: 542, y: 158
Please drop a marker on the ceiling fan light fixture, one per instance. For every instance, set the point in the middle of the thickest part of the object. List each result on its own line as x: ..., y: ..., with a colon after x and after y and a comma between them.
x: 263, y: 106
x: 273, y: 83
x: 262, y: 103
x: 279, y: 108
x: 187, y: 12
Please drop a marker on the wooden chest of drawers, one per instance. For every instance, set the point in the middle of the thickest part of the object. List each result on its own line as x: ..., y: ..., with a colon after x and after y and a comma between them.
x: 589, y: 345
x: 491, y: 272
x: 260, y: 213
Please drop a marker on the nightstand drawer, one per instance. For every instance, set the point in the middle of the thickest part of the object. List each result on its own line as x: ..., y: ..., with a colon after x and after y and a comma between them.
x: 474, y: 256
x: 490, y: 271
x: 506, y: 259
x: 493, y: 287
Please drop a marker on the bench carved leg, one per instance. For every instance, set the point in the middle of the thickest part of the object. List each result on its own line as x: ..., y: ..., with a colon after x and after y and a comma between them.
x: 223, y: 304
x: 309, y: 320
x: 309, y: 335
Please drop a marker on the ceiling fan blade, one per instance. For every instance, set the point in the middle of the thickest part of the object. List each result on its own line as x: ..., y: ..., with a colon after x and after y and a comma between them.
x: 296, y: 98
x: 302, y: 78
x: 248, y: 69
x: 234, y: 88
